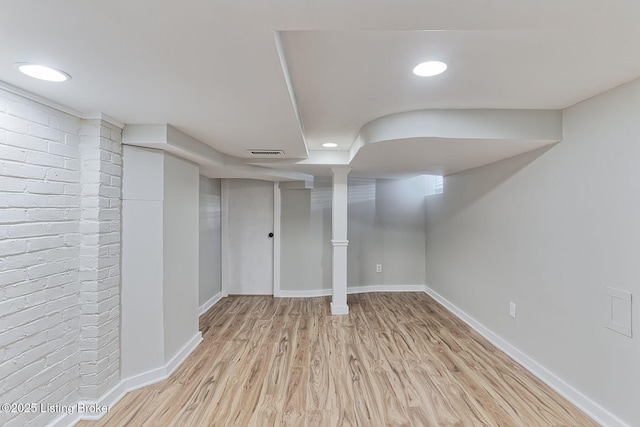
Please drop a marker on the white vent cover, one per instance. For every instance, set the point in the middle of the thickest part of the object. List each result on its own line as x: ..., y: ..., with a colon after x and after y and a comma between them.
x: 264, y: 152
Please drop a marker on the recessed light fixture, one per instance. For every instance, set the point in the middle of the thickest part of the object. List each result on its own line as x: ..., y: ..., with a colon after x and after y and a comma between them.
x: 429, y: 68
x: 329, y: 145
x: 42, y: 72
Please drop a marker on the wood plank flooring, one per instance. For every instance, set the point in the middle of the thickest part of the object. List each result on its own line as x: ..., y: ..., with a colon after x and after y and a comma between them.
x: 398, y: 359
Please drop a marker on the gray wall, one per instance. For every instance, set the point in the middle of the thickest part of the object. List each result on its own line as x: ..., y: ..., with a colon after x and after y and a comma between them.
x: 142, y: 331
x: 549, y: 231
x: 210, y: 239
x: 386, y: 225
x: 180, y: 291
x: 305, y: 248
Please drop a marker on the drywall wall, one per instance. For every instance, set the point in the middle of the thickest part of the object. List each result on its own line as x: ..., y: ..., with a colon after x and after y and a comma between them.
x: 181, y: 243
x: 210, y: 240
x: 305, y: 246
x: 549, y: 231
x: 142, y: 341
x: 386, y: 225
x: 159, y: 258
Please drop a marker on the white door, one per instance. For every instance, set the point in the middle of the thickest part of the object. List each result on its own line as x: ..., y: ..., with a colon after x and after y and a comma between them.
x: 249, y: 256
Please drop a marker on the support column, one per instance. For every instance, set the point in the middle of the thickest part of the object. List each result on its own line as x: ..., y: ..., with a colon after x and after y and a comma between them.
x: 339, y: 240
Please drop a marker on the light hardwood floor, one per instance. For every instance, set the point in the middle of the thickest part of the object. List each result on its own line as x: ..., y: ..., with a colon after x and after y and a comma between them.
x: 399, y: 359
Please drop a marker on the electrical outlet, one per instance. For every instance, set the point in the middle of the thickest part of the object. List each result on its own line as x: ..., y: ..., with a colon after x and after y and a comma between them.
x: 512, y: 309
x: 378, y: 268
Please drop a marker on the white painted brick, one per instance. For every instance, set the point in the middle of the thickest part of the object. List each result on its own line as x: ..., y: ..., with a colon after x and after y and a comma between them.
x: 13, y: 305
x: 63, y: 253
x: 25, y: 316
x: 71, y: 164
x: 16, y: 351
x: 72, y: 140
x: 45, y: 214
x: 45, y: 132
x: 21, y: 170
x: 12, y: 184
x: 62, y: 175
x: 71, y: 289
x: 72, y: 189
x: 60, y: 355
x: 72, y: 239
x: 47, y: 242
x: 13, y: 124
x: 71, y: 313
x: 67, y: 125
x: 45, y: 159
x: 8, y: 152
x: 16, y: 200
x: 23, y: 287
x: 63, y: 149
x: 63, y: 328
x: 28, y: 112
x: 11, y: 247
x: 21, y: 261
x: 62, y: 278
x: 26, y: 229
x: 26, y: 141
x: 42, y: 377
x: 42, y: 270
x: 62, y: 202
x: 61, y: 303
x: 44, y: 187
x: 43, y: 296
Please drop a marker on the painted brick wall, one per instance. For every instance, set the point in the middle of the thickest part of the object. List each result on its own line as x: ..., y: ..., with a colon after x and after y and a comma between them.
x: 59, y: 251
x: 101, y: 172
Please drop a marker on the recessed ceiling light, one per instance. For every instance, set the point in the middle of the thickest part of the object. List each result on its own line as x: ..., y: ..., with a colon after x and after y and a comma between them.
x: 329, y: 145
x: 429, y: 68
x: 42, y: 72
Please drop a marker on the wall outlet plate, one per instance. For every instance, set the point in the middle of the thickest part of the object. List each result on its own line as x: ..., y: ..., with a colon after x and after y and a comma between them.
x: 619, y: 311
x: 512, y: 309
x: 378, y: 268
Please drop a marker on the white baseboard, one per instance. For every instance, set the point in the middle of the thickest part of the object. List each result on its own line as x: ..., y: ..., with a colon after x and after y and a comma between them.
x: 588, y: 406
x: 385, y: 288
x: 304, y: 294
x: 126, y: 385
x: 210, y: 303
x: 338, y: 310
x: 352, y: 290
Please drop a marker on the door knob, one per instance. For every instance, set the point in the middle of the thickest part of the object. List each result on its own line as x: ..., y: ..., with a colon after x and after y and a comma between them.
x: 270, y: 234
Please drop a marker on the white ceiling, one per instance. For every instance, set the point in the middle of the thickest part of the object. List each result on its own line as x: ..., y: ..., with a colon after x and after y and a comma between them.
x: 213, y: 68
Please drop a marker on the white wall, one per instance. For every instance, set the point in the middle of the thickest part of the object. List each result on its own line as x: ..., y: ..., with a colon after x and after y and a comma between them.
x: 159, y: 259
x: 549, y: 231
x: 142, y: 342
x: 59, y: 258
x: 386, y: 225
x: 181, y: 242
x: 210, y: 240
x: 306, y: 238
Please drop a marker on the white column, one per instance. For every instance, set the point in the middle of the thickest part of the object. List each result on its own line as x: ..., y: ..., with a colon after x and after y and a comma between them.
x: 339, y: 241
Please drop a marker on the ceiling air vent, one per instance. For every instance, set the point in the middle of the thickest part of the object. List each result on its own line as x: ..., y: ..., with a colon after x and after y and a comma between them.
x: 269, y: 153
